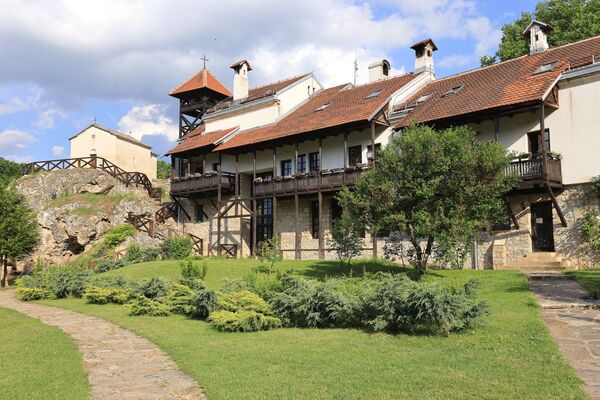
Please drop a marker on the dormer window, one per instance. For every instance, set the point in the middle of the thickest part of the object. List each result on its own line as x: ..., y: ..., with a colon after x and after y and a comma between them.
x: 453, y: 91
x: 375, y: 93
x: 545, y: 68
x: 424, y: 98
x: 324, y: 106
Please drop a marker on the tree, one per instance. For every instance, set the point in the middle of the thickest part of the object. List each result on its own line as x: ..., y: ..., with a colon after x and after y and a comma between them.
x: 486, y: 60
x: 572, y: 20
x: 432, y: 186
x: 19, y: 233
x: 346, y: 239
x: 9, y: 171
x: 269, y: 252
x: 163, y: 169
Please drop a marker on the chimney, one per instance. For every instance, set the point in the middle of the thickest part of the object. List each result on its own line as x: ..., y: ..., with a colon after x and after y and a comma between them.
x: 379, y: 70
x: 240, y: 79
x: 538, y: 36
x: 424, y: 55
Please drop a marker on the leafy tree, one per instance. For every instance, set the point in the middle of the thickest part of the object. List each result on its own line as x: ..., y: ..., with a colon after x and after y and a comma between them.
x: 486, y: 60
x: 268, y: 251
x: 572, y: 20
x: 346, y: 239
x: 163, y: 169
x: 9, y: 171
x: 18, y: 228
x: 432, y: 186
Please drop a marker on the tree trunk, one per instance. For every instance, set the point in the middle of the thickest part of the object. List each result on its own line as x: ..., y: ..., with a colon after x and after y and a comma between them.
x: 4, y: 261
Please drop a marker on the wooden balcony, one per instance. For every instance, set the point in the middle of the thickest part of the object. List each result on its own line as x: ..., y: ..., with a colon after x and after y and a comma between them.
x: 197, y: 183
x: 530, y: 171
x: 307, y: 183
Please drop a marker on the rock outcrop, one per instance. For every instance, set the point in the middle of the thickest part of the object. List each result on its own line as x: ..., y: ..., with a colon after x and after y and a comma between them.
x: 76, y: 207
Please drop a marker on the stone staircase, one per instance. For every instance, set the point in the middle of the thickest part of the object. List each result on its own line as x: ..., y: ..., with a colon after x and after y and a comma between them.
x: 537, y: 261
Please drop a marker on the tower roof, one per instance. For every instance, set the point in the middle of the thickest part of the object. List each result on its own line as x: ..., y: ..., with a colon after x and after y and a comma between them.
x: 203, y: 79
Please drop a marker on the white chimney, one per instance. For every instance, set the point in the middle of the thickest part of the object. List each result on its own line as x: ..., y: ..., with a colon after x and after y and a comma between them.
x: 240, y: 79
x: 379, y: 70
x: 424, y: 55
x: 538, y: 36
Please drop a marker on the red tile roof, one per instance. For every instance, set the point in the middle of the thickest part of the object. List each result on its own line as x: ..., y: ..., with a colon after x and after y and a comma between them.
x: 259, y: 92
x: 203, y: 79
x: 337, y: 106
x: 508, y: 83
x: 198, y: 140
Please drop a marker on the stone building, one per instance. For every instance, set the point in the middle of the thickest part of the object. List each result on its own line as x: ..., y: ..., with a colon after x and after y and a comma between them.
x: 269, y: 160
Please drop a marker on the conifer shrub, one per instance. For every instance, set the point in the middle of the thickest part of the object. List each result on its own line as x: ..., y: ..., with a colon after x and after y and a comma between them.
x: 32, y: 294
x: 115, y: 282
x: 100, y: 295
x: 177, y: 248
x: 66, y: 281
x: 193, y: 270
x: 180, y: 299
x: 105, y: 265
x: 203, y: 303
x: 242, y: 321
x: 154, y: 287
x: 144, y: 306
x: 243, y: 301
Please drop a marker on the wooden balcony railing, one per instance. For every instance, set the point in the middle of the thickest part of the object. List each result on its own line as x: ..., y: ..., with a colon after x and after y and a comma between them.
x: 531, y: 169
x: 195, y: 183
x: 326, y: 180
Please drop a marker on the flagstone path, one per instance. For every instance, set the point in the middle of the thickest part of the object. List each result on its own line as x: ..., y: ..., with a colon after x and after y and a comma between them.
x: 573, y: 319
x: 120, y: 364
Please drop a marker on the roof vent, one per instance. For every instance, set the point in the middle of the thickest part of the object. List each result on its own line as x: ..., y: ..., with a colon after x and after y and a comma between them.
x: 453, y: 91
x: 374, y: 93
x: 424, y: 98
x: 324, y: 106
x: 545, y: 68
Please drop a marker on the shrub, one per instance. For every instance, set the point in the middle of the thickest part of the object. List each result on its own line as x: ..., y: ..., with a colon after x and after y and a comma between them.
x: 242, y: 321
x: 31, y: 294
x: 194, y: 284
x: 192, y: 270
x: 150, y: 254
x: 591, y: 229
x: 311, y: 304
x: 134, y: 253
x: 154, y: 287
x: 264, y: 285
x: 243, y: 301
x: 180, y: 299
x: 100, y: 295
x: 269, y: 252
x: 177, y: 248
x: 145, y: 306
x: 116, y: 282
x: 203, y: 304
x: 595, y: 184
x: 233, y: 285
x: 66, y: 281
x: 104, y: 265
x: 118, y: 234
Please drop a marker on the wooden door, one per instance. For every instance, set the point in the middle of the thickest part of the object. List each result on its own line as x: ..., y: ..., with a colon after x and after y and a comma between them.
x: 542, y: 226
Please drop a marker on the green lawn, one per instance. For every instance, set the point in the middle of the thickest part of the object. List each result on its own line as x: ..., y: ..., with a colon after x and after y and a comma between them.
x: 512, y: 357
x: 38, y: 361
x: 589, y: 279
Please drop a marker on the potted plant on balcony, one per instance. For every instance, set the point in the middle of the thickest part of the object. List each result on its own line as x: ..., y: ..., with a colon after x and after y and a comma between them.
x: 555, y: 155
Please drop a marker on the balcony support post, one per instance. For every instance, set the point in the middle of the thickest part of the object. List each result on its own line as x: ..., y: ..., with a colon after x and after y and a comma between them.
x: 497, y: 127
x: 253, y: 204
x: 220, y: 175
x: 321, y: 241
x: 320, y: 160
x: 274, y: 167
x: 345, y: 155
x: 542, y: 140
x: 563, y: 220
x: 296, y: 227
x: 204, y: 163
x: 373, y: 142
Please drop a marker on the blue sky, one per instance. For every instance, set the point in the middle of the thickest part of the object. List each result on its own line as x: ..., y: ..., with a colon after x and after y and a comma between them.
x: 67, y: 62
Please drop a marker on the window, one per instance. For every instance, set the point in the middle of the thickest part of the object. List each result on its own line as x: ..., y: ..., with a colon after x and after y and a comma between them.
x: 377, y: 150
x: 535, y: 142
x: 545, y: 68
x: 199, y: 213
x: 264, y: 220
x: 301, y: 167
x: 286, y: 167
x: 314, y: 162
x: 354, y: 155
x: 453, y: 91
x: 315, y: 219
x: 375, y: 93
x: 336, y: 210
x: 215, y: 166
x: 424, y: 98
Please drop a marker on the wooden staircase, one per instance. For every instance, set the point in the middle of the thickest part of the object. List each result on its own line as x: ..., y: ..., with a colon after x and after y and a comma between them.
x: 537, y: 261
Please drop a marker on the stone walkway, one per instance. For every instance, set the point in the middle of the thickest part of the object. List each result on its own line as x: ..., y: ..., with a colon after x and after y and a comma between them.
x: 573, y: 319
x: 120, y: 364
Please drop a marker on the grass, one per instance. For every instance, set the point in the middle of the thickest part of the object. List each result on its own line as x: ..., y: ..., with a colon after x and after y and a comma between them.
x: 38, y: 361
x: 588, y: 278
x: 512, y: 356
x: 89, y: 204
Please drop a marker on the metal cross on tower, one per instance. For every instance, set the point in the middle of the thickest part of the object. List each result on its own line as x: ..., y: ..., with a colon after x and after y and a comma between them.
x: 204, y: 59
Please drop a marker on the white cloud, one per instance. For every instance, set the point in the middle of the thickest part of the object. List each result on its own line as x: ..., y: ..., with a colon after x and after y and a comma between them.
x: 456, y: 60
x: 14, y: 140
x: 19, y: 159
x: 47, y: 118
x: 17, y: 104
x: 58, y: 150
x: 149, y: 120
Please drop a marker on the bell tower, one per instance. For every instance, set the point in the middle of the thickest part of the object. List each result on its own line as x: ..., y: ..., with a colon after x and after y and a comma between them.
x: 196, y: 95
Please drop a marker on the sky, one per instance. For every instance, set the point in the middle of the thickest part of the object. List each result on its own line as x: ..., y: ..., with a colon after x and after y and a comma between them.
x: 66, y: 63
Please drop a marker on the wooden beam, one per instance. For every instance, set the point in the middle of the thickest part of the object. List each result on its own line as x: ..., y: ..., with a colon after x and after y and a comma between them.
x: 373, y: 142
x: 345, y: 154
x: 542, y: 139
x: 320, y: 160
x: 563, y: 220
x: 274, y: 215
x: 321, y: 239
x: 511, y: 214
x: 296, y: 227
x: 254, y: 216
x: 220, y: 171
x: 274, y: 167
x: 496, y: 127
